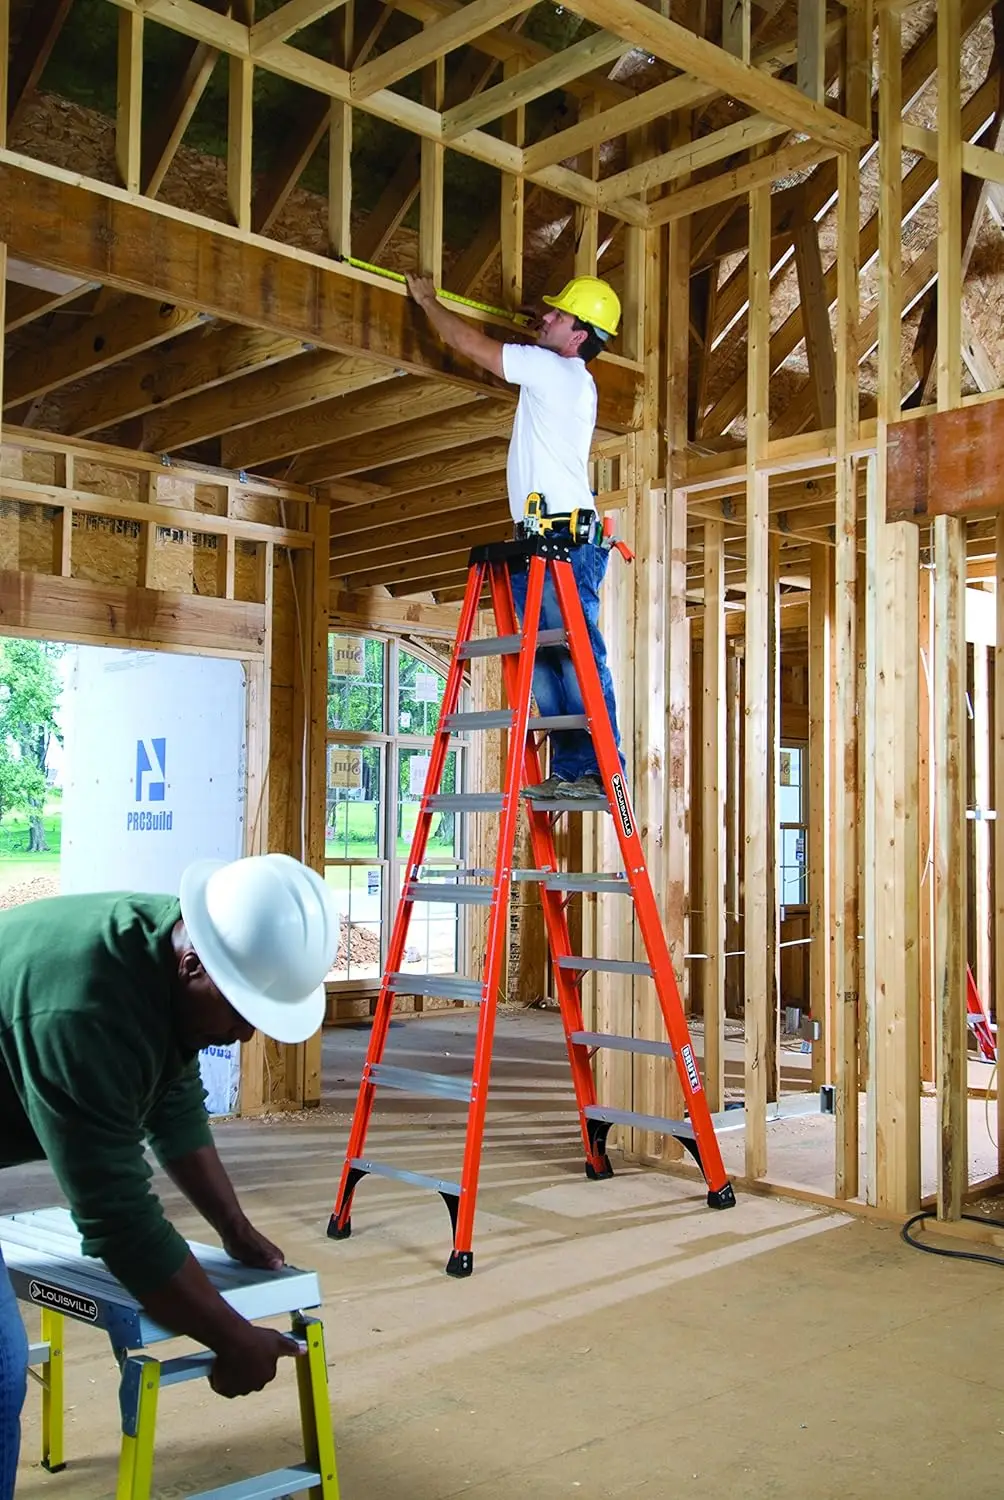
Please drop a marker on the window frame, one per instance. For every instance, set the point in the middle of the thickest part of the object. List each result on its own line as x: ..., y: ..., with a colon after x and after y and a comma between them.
x: 802, y: 826
x: 391, y: 742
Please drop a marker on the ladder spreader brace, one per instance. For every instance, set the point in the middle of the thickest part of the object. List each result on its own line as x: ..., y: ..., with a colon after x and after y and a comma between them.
x: 517, y: 649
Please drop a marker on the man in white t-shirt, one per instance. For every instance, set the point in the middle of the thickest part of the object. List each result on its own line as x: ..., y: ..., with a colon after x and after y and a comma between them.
x: 549, y: 455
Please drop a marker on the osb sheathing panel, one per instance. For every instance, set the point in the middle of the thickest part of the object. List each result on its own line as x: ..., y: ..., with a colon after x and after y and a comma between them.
x: 281, y: 833
x: 27, y: 536
x: 284, y: 628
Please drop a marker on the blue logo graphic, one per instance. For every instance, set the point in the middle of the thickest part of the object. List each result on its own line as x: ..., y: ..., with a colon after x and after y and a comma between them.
x: 151, y: 769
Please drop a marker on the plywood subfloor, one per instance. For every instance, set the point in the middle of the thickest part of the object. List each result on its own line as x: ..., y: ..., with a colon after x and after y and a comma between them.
x: 617, y: 1339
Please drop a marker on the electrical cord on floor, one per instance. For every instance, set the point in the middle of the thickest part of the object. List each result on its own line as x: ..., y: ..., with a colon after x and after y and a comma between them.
x: 927, y: 1213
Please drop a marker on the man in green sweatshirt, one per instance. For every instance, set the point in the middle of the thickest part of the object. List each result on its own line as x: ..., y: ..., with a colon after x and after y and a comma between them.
x: 105, y: 1002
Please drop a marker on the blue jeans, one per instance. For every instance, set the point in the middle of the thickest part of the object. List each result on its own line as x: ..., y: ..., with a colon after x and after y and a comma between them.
x: 555, y: 685
x: 13, y: 1382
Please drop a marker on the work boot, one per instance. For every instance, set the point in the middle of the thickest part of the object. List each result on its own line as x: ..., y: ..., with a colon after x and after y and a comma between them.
x: 546, y: 789
x: 583, y: 789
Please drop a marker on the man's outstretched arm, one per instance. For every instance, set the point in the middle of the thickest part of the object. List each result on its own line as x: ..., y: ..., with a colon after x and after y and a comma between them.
x: 459, y: 333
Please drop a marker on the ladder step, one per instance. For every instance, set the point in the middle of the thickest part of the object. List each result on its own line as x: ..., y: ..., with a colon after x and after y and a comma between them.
x: 444, y: 986
x: 683, y: 1130
x: 466, y: 802
x: 604, y: 965
x: 491, y: 645
x: 495, y: 718
x: 456, y: 895
x: 616, y: 884
x: 560, y: 804
x: 399, y: 1174
x: 621, y: 1043
x: 508, y: 645
x: 275, y: 1485
x: 559, y: 721
x: 414, y: 1081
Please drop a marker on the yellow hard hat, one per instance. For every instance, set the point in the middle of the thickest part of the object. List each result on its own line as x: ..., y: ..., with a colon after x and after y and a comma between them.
x: 592, y: 301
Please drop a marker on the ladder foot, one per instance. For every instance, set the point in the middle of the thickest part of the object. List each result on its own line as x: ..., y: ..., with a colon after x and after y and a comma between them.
x: 599, y: 1174
x: 334, y: 1233
x: 52, y: 1468
x: 460, y: 1264
x: 724, y: 1198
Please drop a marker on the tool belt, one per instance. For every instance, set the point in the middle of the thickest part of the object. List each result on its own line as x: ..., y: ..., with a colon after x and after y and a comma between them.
x: 582, y: 527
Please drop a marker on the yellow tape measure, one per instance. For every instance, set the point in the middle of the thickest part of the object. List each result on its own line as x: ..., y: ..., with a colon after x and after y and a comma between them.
x: 498, y: 312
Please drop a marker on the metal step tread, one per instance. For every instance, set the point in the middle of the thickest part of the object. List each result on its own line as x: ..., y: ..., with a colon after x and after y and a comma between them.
x: 561, y: 804
x: 445, y: 986
x: 507, y: 645
x: 455, y: 894
x: 400, y: 1174
x: 415, y: 1081
x: 621, y: 1043
x: 683, y: 1130
x: 613, y: 884
x: 465, y: 802
x: 559, y: 721
x: 491, y: 718
x: 604, y: 965
x: 274, y: 1485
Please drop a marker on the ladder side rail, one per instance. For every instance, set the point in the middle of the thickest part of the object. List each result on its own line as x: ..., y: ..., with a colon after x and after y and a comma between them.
x: 649, y: 920
x: 385, y: 1001
x: 498, y: 923
x: 555, y: 921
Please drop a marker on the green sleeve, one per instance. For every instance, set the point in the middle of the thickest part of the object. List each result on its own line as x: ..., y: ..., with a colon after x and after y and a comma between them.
x: 177, y: 1122
x: 85, y: 1100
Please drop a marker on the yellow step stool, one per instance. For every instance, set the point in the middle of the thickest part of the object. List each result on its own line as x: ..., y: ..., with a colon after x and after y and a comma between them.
x: 47, y: 1268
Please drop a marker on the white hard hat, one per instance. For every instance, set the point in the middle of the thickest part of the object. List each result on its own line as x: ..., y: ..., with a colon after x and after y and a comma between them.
x: 266, y: 930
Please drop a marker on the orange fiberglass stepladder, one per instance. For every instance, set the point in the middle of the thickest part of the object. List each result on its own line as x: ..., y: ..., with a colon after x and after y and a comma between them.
x: 539, y: 553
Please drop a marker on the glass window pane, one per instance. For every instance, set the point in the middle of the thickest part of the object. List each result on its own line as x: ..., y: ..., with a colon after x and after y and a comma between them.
x: 431, y: 944
x: 789, y: 804
x: 353, y: 828
x: 444, y: 837
x: 355, y: 683
x: 358, y: 894
x: 420, y: 691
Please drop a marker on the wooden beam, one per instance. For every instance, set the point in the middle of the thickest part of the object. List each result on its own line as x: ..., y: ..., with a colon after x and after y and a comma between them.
x: 306, y: 435
x: 816, y: 322
x: 288, y: 19
x: 434, y: 560
x: 373, y: 611
x: 713, y: 814
x: 129, y: 103
x: 420, y: 535
x: 736, y: 28
x: 758, y: 876
x: 725, y: 186
x: 444, y: 467
x: 94, y: 231
x: 977, y: 357
x: 512, y: 213
x: 340, y: 147
x: 263, y: 395
x: 239, y: 126
x: 524, y: 84
x: 821, y: 834
x: 676, y: 45
x: 381, y: 521
x: 951, y: 836
x: 663, y: 99
x: 127, y: 326
x: 998, y: 886
x: 688, y: 158
x: 437, y: 38
x: 846, y: 808
x: 892, y: 872
x: 43, y: 22
x: 945, y: 463
x: 811, y: 76
x: 165, y: 375
x: 430, y: 198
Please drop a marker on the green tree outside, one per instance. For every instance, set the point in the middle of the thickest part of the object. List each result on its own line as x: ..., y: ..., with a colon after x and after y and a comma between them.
x: 29, y: 694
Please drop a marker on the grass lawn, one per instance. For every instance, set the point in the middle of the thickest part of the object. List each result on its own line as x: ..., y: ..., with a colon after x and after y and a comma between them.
x: 16, y: 864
